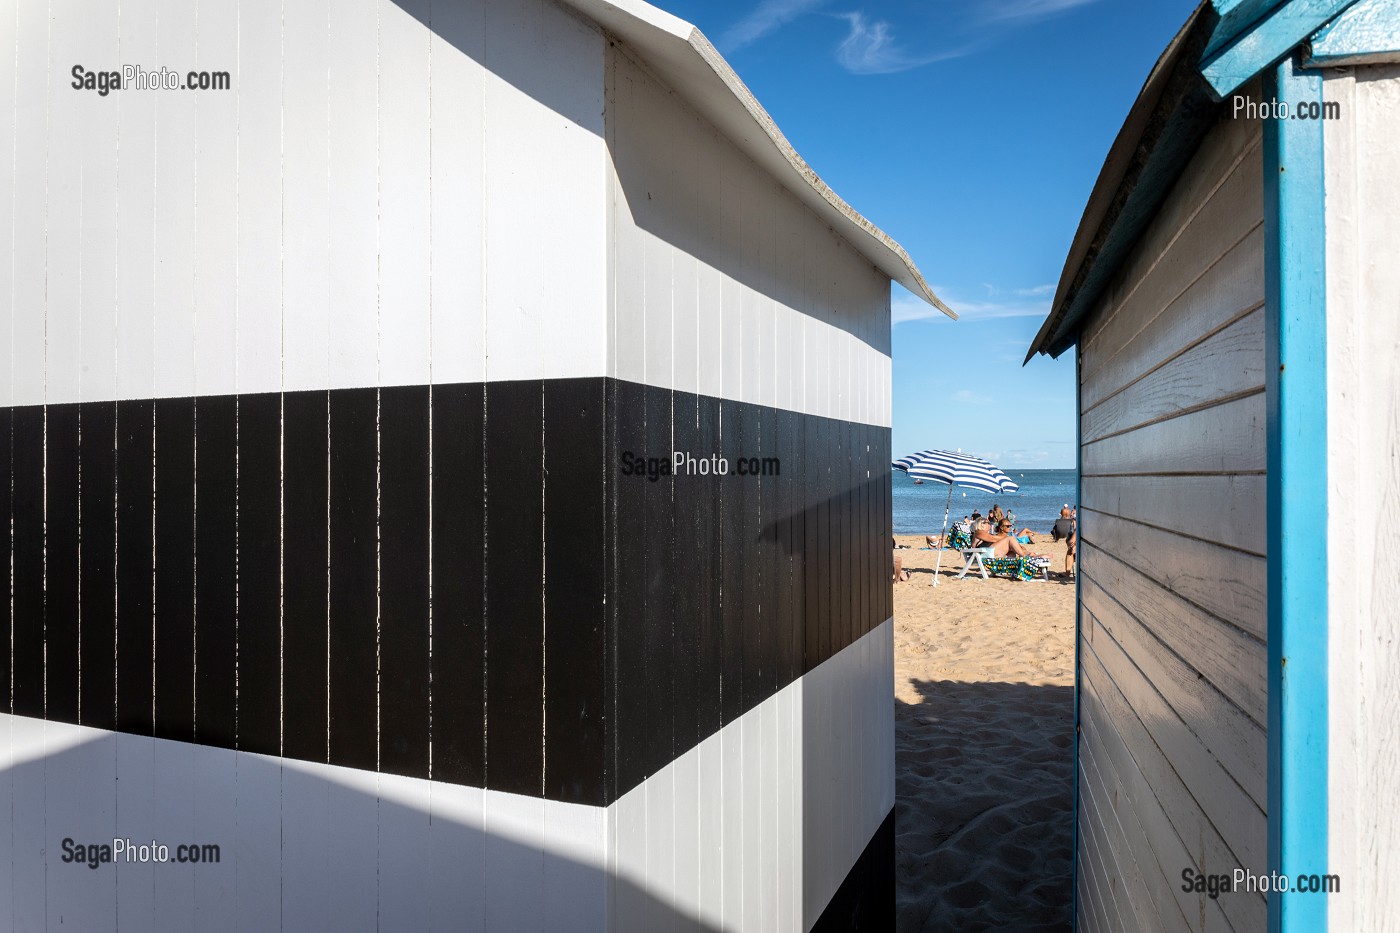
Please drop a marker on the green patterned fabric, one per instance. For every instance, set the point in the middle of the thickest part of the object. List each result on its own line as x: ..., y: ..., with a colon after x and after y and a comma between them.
x: 1018, y: 568
x: 958, y: 539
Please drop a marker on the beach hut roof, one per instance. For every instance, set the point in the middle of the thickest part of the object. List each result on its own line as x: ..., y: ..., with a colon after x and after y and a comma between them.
x: 1223, y: 45
x: 682, y: 56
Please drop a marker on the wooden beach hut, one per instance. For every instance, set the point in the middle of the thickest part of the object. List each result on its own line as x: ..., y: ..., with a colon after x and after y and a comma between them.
x: 1232, y: 295
x: 445, y: 479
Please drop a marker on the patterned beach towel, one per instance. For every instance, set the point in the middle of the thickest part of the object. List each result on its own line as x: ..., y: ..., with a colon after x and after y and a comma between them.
x: 1018, y: 568
x: 960, y: 536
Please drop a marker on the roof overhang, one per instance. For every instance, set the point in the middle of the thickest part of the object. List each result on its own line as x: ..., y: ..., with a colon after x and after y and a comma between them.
x: 1171, y: 115
x: 696, y: 71
x: 1224, y: 44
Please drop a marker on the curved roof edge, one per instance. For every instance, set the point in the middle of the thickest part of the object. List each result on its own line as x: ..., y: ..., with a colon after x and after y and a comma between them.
x: 1164, y: 125
x: 1223, y: 44
x: 700, y: 75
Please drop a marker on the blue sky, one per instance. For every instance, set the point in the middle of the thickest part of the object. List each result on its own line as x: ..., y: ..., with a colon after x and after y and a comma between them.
x: 972, y: 132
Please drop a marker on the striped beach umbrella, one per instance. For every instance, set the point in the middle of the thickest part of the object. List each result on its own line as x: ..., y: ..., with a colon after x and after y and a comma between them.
x: 956, y: 469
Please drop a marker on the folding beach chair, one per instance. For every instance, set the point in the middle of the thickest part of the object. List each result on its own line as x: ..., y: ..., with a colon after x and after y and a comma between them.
x: 975, y: 558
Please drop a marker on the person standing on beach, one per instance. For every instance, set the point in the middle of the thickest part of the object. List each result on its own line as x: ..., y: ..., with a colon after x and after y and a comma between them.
x: 1067, y: 528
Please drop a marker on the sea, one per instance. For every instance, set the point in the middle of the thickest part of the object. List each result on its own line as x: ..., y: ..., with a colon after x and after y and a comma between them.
x: 919, y: 509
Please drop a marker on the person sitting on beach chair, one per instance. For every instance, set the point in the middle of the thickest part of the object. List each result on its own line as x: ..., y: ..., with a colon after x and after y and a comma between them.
x: 1025, y: 535
x: 1001, y: 545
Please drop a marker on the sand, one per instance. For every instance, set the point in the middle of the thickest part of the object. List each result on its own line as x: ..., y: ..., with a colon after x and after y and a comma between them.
x: 984, y: 732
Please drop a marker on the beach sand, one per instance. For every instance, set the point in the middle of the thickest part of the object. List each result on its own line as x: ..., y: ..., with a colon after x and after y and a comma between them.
x: 984, y: 732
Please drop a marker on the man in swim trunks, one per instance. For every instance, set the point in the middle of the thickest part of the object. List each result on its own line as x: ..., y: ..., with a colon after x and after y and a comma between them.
x: 1067, y: 528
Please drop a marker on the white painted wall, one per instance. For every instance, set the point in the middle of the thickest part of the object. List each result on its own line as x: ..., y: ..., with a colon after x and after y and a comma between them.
x: 721, y: 282
x: 373, y: 203
x: 756, y: 827
x: 1362, y: 167
x: 303, y: 845
x: 752, y: 830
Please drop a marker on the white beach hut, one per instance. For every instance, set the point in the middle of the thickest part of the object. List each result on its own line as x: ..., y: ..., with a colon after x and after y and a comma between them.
x: 445, y: 479
x: 1232, y: 294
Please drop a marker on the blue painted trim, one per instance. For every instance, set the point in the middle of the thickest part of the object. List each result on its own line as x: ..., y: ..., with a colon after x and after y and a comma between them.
x: 1368, y: 32
x: 1296, y: 398
x: 1235, y: 17
x: 1267, y: 41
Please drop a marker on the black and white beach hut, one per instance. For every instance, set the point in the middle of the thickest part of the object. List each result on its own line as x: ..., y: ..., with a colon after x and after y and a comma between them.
x: 1233, y: 297
x: 445, y: 456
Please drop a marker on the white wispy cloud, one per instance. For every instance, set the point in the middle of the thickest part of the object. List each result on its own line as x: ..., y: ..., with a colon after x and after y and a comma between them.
x: 870, y: 48
x: 998, y: 305
x: 768, y: 16
x: 1026, y: 11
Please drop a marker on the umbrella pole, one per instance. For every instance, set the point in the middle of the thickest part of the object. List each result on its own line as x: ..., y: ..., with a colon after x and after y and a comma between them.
x: 943, y: 540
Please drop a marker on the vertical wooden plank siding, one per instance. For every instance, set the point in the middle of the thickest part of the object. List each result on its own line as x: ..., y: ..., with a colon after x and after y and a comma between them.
x: 316, y: 521
x: 1172, y: 573
x: 727, y: 295
x: 1363, y: 492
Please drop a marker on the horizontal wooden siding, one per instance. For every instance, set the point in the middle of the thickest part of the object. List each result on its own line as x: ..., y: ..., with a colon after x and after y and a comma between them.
x: 1173, y: 698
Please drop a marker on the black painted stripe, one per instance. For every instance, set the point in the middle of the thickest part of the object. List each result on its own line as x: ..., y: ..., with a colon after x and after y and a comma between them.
x: 97, y: 515
x: 6, y: 537
x: 260, y: 572
x: 174, y: 586
x: 135, y: 565
x: 514, y: 532
x: 575, y: 597
x: 61, y: 610
x: 216, y: 571
x: 865, y: 899
x: 304, y: 569
x: 459, y: 661
x: 27, y: 558
x: 404, y: 615
x: 354, y: 675
x: 461, y: 581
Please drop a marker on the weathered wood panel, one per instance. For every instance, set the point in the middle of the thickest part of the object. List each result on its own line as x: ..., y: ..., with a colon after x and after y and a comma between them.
x: 1228, y: 438
x: 1138, y: 817
x: 1112, y: 828
x: 1183, y: 835
x: 1226, y: 508
x: 1222, y: 728
x: 1228, y: 658
x: 1226, y: 583
x: 1091, y: 916
x: 1157, y: 843
x: 1229, y: 808
x: 1227, y: 364
x: 1230, y: 288
x: 1172, y: 421
x: 1105, y: 877
x: 1362, y: 165
x: 1218, y: 200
